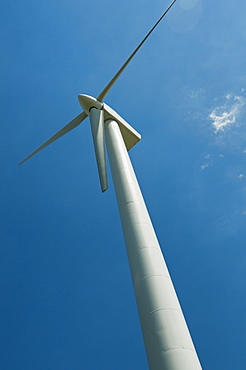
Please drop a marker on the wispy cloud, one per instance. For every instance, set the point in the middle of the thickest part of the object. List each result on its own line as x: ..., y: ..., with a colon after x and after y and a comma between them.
x: 226, y: 115
x: 204, y: 166
x: 209, y: 162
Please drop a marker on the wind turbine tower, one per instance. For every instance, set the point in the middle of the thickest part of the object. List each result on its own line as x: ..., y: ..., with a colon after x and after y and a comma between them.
x: 166, y: 336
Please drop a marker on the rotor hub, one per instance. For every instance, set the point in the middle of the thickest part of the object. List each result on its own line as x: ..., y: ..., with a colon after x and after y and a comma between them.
x: 87, y: 102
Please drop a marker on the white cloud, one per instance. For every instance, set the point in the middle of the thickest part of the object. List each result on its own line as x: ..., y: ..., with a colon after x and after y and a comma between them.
x: 226, y: 115
x: 204, y: 166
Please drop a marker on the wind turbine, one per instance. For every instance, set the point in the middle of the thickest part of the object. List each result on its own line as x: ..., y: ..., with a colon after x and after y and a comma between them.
x: 166, y: 337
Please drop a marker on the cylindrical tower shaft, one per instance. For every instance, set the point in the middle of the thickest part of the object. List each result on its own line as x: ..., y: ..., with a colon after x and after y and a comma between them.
x: 166, y: 337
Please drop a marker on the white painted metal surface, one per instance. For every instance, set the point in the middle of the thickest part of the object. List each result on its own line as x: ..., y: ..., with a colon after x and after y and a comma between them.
x: 130, y: 135
x: 97, y: 129
x: 166, y: 336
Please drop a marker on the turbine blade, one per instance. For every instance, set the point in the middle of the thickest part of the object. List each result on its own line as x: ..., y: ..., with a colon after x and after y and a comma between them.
x: 105, y: 91
x: 68, y: 127
x: 97, y: 129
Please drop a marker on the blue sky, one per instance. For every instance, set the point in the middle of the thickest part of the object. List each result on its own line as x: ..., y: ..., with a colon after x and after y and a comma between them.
x: 66, y: 295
